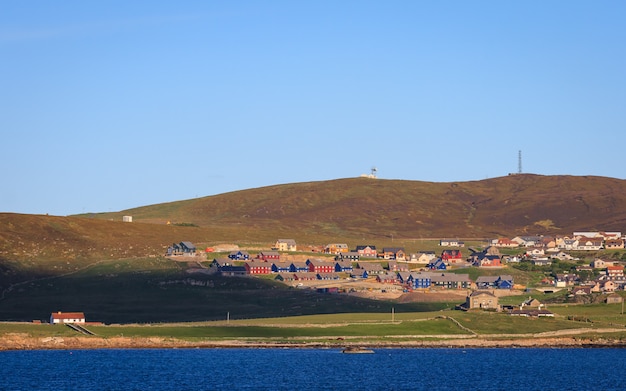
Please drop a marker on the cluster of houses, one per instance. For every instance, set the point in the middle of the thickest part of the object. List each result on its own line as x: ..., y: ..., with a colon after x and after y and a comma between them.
x: 364, y: 262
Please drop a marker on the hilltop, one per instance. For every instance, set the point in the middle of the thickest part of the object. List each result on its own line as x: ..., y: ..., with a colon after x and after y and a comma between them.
x: 376, y: 211
x: 378, y: 208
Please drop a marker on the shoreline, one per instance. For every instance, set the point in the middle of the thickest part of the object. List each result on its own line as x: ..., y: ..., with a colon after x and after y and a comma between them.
x: 16, y: 343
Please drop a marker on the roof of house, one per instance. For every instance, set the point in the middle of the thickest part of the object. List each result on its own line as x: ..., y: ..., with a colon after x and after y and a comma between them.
x: 392, y: 249
x: 67, y: 315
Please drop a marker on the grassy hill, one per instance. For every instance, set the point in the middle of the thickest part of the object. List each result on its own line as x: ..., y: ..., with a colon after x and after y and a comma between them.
x: 368, y: 208
x: 47, y: 260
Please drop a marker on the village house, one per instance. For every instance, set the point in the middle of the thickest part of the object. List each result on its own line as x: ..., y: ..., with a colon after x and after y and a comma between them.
x: 281, y: 267
x: 450, y: 280
x: 336, y: 248
x: 284, y: 277
x: 404, y: 277
x: 387, y: 278
x: 600, y: 264
x: 483, y: 260
x: 451, y: 243
x: 351, y: 256
x: 569, y: 244
x: 367, y: 251
x: 581, y: 290
x: 615, y: 271
x: 394, y: 266
x: 424, y: 257
x: 327, y: 276
x: 343, y: 266
x: 589, y: 244
x: 607, y: 286
x: 257, y: 267
x: 396, y: 253
x: 613, y: 244
x: 415, y: 280
x: 527, y: 241
x: 504, y: 243
x: 319, y: 266
x: 531, y: 313
x: 304, y: 276
x: 182, y: 248
x: 482, y: 300
x: 614, y: 298
x: 221, y: 262
x: 233, y: 271
x: 286, y: 245
x: 562, y: 256
x: 563, y: 280
x: 494, y: 282
x: 239, y: 255
x: 535, y: 252
x: 268, y: 256
x: 452, y: 257
x: 438, y: 264
x: 298, y: 267
x: 67, y: 317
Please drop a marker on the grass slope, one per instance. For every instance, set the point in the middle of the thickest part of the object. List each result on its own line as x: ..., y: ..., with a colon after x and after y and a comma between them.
x: 145, y: 290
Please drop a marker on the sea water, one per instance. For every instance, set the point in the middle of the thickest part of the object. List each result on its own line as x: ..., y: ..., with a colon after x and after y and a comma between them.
x: 314, y: 369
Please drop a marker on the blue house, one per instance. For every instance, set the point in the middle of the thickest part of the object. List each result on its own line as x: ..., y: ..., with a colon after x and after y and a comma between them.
x: 421, y: 280
x: 343, y: 266
x: 280, y: 267
x: 298, y: 267
x: 438, y: 264
x: 505, y: 282
x: 182, y: 248
x: 359, y: 273
x: 239, y: 255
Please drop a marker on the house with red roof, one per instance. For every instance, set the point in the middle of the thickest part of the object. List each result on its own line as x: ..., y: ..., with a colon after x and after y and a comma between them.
x: 67, y: 317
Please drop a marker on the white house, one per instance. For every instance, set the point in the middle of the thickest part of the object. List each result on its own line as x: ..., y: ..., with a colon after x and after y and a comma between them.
x: 67, y: 317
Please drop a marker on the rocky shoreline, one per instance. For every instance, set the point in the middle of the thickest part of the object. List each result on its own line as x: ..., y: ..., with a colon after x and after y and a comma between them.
x: 21, y: 342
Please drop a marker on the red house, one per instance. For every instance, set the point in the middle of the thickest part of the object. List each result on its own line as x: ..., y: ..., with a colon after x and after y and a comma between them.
x: 319, y: 266
x: 367, y: 251
x: 257, y: 267
x: 268, y: 255
x: 452, y: 256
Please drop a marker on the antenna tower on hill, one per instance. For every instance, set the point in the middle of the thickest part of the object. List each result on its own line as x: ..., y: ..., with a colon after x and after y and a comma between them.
x: 519, y: 161
x: 373, y: 172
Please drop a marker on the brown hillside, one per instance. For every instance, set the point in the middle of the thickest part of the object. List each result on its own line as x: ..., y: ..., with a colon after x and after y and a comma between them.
x: 361, y: 207
x: 350, y: 210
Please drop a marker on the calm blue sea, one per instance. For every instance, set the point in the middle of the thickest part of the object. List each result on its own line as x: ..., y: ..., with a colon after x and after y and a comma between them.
x: 314, y: 369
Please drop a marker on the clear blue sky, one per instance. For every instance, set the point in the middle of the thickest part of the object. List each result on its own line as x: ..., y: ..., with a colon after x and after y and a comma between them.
x: 111, y: 105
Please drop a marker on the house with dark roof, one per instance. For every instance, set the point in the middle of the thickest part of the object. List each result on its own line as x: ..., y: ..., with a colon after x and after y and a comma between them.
x: 351, y: 256
x: 450, y: 280
x: 281, y: 267
x: 343, y: 266
x: 239, y: 255
x: 182, y: 248
x: 233, y: 271
x: 298, y: 267
x: 396, y: 253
